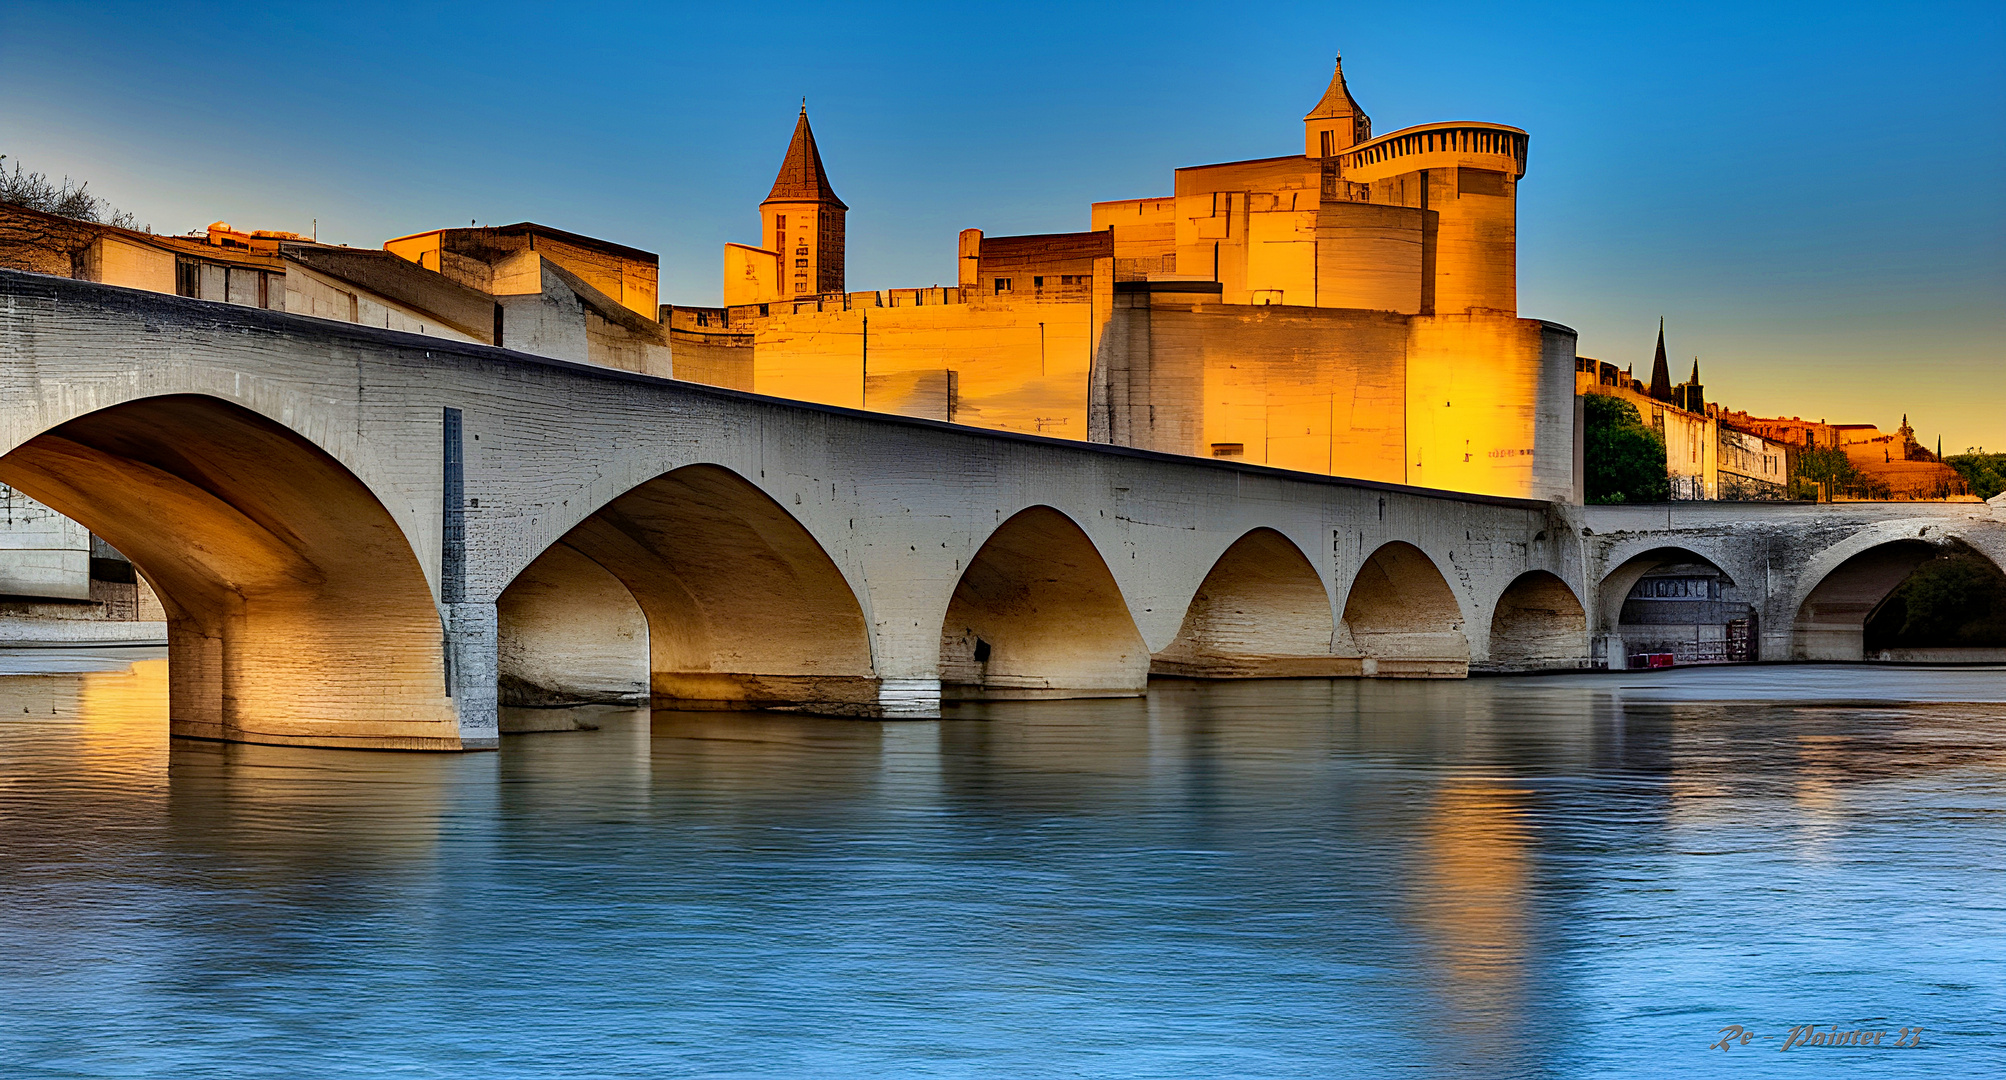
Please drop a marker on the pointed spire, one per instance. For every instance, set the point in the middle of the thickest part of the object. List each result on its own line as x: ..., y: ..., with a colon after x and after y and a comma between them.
x: 1696, y: 371
x: 1338, y: 113
x: 802, y: 178
x: 1661, y: 373
x: 1337, y: 99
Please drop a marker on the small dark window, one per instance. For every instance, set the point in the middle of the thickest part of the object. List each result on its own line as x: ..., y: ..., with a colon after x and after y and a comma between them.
x: 188, y: 278
x: 1002, y: 285
x: 981, y: 651
x: 1229, y: 449
x: 801, y: 262
x: 1037, y: 282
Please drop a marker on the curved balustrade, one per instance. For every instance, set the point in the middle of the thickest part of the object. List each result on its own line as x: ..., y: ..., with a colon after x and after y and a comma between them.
x: 1462, y: 140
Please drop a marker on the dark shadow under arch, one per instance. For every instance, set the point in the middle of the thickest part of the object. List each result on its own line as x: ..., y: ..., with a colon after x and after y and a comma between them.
x: 1261, y: 612
x: 1402, y: 620
x: 697, y: 590
x: 1538, y: 624
x: 297, y: 611
x: 1037, y: 615
x: 1831, y: 622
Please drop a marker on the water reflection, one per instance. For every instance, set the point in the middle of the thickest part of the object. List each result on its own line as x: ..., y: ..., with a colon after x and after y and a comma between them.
x: 1470, y: 901
x: 1301, y: 878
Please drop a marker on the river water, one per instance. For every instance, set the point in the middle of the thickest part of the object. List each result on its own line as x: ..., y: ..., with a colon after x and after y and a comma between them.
x: 1558, y: 876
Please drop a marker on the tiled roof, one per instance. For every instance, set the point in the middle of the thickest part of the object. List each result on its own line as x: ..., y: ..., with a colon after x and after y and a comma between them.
x: 802, y: 178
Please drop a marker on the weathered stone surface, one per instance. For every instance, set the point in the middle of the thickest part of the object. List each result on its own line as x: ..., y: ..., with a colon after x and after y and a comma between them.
x: 281, y: 480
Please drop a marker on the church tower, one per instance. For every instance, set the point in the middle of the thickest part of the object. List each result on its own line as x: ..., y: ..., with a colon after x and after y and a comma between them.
x: 802, y: 220
x: 1337, y: 123
x: 1661, y: 372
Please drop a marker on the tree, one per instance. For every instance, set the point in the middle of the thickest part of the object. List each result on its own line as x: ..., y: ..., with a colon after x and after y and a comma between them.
x: 1827, y: 466
x: 74, y: 201
x: 60, y: 223
x: 1626, y: 460
x: 1956, y: 599
x: 1984, y: 473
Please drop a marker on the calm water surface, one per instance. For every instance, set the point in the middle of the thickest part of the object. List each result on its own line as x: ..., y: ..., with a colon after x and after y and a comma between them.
x: 1578, y: 876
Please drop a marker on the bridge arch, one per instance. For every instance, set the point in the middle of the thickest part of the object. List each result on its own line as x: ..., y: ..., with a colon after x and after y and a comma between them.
x: 1678, y: 601
x: 1261, y: 612
x: 1037, y: 614
x: 1401, y: 618
x: 1842, y: 586
x: 298, y: 612
x: 1538, y: 623
x: 692, y: 590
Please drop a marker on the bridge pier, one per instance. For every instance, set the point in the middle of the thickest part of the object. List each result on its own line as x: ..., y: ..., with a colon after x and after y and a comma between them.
x: 473, y: 666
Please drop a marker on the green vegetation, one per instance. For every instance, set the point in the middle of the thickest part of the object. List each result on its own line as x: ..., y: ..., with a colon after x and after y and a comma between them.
x: 1985, y: 473
x: 1955, y: 600
x: 1826, y: 466
x: 1626, y: 460
x: 1836, y: 472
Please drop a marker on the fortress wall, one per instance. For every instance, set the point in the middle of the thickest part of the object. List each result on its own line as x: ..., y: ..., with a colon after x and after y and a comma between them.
x: 1446, y: 402
x: 1145, y: 235
x: 1294, y: 387
x: 1281, y: 249
x: 729, y: 366
x: 1371, y: 256
x: 1010, y: 374
x: 1476, y: 385
x: 1476, y: 246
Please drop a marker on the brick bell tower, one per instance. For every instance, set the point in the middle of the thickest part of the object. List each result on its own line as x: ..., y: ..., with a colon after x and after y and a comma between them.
x: 802, y: 219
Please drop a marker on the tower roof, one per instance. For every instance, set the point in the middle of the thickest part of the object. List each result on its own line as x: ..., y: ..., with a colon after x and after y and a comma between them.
x: 1337, y: 99
x: 1661, y: 373
x: 802, y: 178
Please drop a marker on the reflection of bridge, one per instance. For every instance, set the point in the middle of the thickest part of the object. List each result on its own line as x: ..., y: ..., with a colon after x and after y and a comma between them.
x: 359, y: 536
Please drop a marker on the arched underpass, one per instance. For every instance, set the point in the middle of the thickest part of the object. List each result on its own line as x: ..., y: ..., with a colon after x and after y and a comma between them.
x: 297, y: 612
x: 1674, y: 602
x: 1402, y: 620
x: 697, y: 591
x: 1958, y: 593
x: 1037, y: 615
x: 1538, y: 624
x: 1260, y: 613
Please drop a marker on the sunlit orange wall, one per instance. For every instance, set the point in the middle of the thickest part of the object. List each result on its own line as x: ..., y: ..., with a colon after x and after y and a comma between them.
x: 1011, y: 375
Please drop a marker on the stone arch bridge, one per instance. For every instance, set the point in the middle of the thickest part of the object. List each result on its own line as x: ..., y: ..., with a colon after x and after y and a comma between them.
x: 364, y: 538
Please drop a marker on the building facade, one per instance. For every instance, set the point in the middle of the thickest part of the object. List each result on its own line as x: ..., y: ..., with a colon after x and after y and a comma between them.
x: 1349, y: 310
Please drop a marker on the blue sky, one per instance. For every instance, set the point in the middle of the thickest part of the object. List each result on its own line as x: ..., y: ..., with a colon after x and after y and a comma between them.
x: 1814, y: 196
